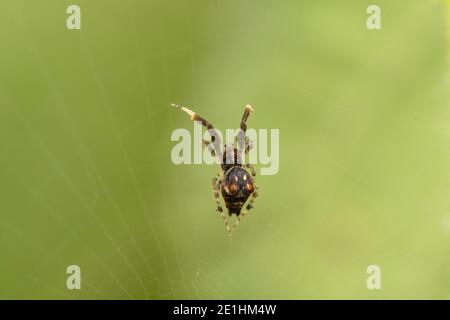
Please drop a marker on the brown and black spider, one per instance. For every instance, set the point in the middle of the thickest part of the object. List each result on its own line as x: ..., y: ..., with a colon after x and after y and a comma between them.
x: 234, y: 182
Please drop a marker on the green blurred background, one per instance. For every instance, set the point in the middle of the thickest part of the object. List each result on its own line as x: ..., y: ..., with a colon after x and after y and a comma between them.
x: 85, y: 170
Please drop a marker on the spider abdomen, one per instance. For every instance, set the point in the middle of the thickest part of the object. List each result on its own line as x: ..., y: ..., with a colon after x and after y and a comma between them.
x: 236, y: 188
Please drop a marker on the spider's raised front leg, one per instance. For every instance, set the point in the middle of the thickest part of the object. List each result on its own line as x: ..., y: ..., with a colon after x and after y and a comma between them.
x: 249, y: 146
x: 241, y: 140
x: 247, y: 110
x: 211, y: 150
x: 216, y: 181
x: 215, y: 137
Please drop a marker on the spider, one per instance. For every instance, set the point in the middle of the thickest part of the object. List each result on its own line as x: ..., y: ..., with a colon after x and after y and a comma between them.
x: 235, y: 181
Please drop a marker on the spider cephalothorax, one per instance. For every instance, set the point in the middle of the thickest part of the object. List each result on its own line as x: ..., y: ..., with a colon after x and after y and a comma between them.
x: 234, y: 182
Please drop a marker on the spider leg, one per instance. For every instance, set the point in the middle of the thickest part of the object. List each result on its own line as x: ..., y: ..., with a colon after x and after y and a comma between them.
x: 245, y: 211
x: 254, y: 195
x: 241, y: 134
x: 247, y: 110
x: 211, y: 149
x: 216, y: 193
x: 251, y: 168
x: 249, y: 144
x: 215, y: 138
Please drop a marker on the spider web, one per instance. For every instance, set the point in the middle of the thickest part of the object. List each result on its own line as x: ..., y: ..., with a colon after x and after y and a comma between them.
x: 173, y: 265
x: 178, y: 247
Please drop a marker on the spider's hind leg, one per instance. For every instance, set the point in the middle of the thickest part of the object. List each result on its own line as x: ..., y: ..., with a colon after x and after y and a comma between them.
x: 253, y: 196
x: 216, y: 193
x: 245, y: 211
